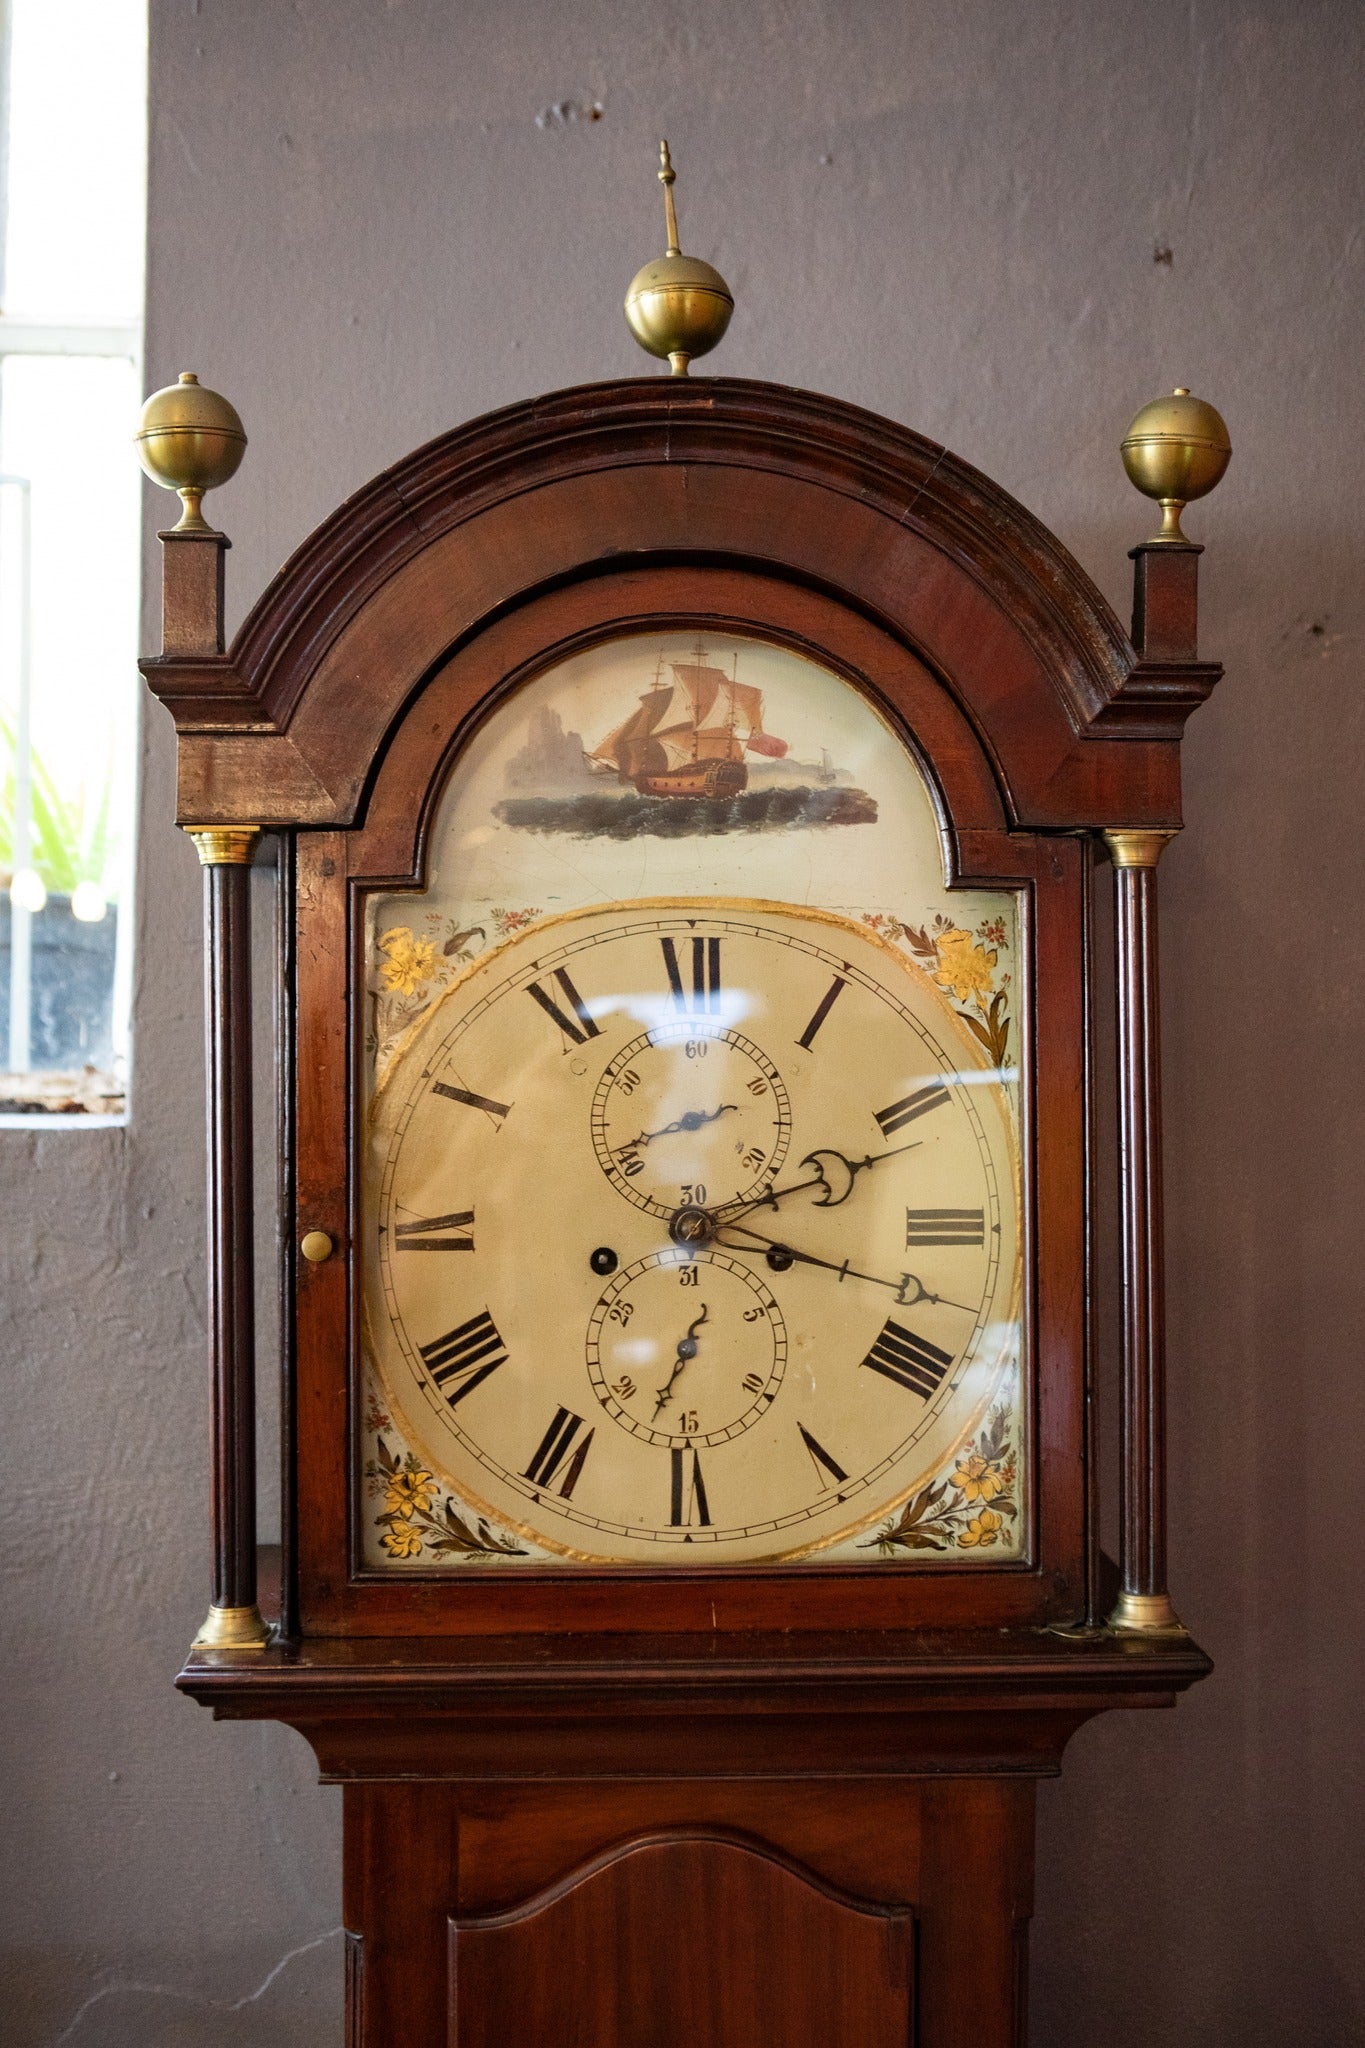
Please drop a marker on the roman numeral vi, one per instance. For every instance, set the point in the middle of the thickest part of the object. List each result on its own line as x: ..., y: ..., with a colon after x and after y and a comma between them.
x: 687, y: 1497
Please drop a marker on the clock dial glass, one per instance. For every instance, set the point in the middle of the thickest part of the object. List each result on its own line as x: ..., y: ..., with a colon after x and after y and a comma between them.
x: 691, y: 1217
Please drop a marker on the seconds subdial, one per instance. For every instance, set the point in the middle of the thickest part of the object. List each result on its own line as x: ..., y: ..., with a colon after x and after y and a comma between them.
x: 690, y: 1115
x: 686, y: 1348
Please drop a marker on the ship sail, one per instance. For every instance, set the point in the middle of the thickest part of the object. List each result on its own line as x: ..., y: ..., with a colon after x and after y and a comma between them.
x: 703, y: 715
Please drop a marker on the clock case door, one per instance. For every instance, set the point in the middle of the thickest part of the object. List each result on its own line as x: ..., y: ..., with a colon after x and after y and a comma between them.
x: 643, y: 506
x: 334, y: 874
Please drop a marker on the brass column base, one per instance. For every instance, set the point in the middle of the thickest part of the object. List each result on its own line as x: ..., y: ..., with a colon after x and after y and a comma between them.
x: 1146, y: 1614
x: 232, y: 1628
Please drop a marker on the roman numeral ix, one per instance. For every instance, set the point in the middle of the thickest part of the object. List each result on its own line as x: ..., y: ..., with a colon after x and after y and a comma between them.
x: 465, y: 1357
x: 454, y: 1233
x: 944, y: 1226
x: 704, y: 994
x: 912, y: 1362
x: 687, y: 1497
x: 579, y: 1032
x: 904, y: 1112
x: 553, y: 1454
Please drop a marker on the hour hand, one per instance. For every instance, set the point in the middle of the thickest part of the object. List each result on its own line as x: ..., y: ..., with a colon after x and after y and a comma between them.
x: 833, y: 1174
x: 687, y: 1350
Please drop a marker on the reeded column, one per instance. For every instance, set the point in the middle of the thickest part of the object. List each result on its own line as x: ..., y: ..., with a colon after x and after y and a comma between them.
x: 1144, y: 1604
x: 226, y: 851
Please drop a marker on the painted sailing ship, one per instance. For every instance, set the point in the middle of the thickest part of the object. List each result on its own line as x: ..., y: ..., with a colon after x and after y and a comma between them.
x: 690, y: 736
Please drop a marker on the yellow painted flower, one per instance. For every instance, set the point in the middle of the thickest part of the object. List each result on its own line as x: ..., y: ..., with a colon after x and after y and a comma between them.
x: 409, y: 1491
x: 983, y: 1530
x: 964, y: 967
x: 402, y: 1540
x: 980, y: 1478
x: 411, y: 961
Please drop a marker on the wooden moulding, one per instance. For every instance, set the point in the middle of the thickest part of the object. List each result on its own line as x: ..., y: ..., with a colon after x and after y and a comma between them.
x: 1082, y: 727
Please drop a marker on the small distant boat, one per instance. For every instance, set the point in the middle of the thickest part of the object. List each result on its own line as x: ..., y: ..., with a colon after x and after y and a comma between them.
x: 689, y: 737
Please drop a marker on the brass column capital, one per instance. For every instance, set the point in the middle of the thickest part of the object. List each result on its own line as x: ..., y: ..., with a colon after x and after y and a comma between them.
x: 223, y: 846
x: 1136, y: 847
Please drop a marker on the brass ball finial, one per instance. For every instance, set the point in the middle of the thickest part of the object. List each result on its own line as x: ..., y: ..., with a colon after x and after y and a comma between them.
x: 1176, y: 449
x: 189, y: 440
x: 677, y: 306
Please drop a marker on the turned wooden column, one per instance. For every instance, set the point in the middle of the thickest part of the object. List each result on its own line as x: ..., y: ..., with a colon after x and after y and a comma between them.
x: 1144, y: 1604
x: 226, y: 851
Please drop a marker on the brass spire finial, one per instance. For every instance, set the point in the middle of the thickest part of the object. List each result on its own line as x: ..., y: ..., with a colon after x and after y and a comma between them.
x: 677, y: 306
x: 667, y: 178
x: 1176, y: 449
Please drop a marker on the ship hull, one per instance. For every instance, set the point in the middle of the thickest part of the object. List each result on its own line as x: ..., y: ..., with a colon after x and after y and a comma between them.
x: 695, y: 778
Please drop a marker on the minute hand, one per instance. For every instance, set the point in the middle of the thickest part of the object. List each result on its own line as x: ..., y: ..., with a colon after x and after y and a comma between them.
x: 727, y: 1212
x: 908, y: 1290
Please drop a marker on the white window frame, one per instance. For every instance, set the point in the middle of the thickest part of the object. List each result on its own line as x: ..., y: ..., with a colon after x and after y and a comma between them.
x: 119, y: 342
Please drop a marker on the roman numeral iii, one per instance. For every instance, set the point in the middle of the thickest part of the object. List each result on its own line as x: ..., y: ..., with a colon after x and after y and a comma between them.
x: 553, y: 1454
x: 944, y: 1226
x: 465, y: 1357
x: 912, y: 1362
x: 899, y: 1114
x: 704, y: 993
x: 454, y: 1233
x: 687, y: 1495
x: 579, y: 1032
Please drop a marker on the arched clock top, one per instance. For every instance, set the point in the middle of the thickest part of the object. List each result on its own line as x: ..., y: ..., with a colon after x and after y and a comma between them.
x: 1079, y: 723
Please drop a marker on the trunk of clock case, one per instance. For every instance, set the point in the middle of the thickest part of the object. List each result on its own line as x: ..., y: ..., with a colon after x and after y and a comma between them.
x: 337, y: 1596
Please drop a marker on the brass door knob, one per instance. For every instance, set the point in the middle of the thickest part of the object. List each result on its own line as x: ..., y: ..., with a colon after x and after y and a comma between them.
x: 316, y: 1247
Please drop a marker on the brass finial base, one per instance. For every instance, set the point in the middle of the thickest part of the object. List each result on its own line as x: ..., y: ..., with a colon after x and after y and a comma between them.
x: 232, y: 1628
x: 1146, y: 1614
x: 677, y: 307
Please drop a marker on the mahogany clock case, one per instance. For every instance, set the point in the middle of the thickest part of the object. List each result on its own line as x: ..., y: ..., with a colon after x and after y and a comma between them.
x: 729, y: 508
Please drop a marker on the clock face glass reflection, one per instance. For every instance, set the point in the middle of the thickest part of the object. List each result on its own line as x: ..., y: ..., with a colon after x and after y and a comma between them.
x: 691, y: 1219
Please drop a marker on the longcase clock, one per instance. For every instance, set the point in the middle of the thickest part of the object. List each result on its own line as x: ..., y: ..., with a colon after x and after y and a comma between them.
x: 689, y: 802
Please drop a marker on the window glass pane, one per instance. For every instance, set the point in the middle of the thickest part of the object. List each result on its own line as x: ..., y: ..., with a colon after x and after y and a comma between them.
x: 77, y: 149
x: 64, y: 450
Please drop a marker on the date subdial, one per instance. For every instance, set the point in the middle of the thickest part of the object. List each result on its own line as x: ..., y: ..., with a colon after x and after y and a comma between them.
x: 686, y: 1348
x: 689, y: 1114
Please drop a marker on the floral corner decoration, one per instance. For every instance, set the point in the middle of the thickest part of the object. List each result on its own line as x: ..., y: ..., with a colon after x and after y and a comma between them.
x: 963, y: 964
x: 972, y: 1509
x: 412, y: 968
x: 416, y: 1519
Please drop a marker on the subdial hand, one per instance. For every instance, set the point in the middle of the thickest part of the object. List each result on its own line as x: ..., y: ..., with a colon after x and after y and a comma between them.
x: 824, y: 1177
x: 690, y: 1120
x: 908, y: 1289
x: 687, y: 1350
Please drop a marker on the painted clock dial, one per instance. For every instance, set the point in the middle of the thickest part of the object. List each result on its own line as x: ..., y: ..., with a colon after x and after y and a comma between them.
x: 693, y: 1232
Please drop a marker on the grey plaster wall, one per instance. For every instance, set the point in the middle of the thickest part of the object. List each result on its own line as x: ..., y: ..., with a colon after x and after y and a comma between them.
x: 1006, y: 225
